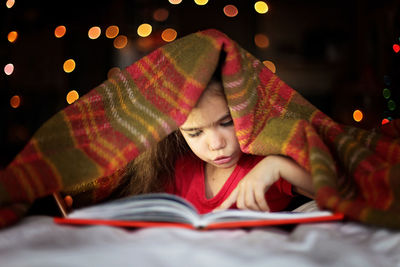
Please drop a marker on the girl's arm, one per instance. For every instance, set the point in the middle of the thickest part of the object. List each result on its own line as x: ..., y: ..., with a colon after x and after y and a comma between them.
x: 250, y: 192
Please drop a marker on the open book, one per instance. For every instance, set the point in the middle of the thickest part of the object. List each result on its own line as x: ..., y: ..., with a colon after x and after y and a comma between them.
x: 161, y: 209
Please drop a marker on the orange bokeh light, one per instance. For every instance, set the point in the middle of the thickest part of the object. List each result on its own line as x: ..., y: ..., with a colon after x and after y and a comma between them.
x: 169, y: 35
x: 113, y: 71
x: 72, y: 96
x: 175, y: 2
x: 261, y: 40
x: 12, y: 36
x: 358, y: 115
x: 60, y: 31
x: 69, y: 65
x: 15, y: 101
x: 160, y: 14
x: 9, y: 69
x: 112, y: 31
x: 94, y: 32
x: 120, y: 42
x: 270, y: 65
x: 230, y: 11
x: 10, y: 3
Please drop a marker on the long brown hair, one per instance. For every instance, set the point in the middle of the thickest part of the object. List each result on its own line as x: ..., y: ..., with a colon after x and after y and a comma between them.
x: 154, y: 169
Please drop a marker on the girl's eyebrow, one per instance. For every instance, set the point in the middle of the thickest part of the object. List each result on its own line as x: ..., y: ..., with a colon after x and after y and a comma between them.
x: 224, y: 117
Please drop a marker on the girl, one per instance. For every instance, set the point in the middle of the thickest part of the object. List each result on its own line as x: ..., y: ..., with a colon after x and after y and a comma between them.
x: 203, y: 163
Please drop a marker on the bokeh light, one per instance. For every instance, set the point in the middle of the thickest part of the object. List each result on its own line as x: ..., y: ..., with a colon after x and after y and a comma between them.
x: 60, y: 31
x: 72, y: 96
x: 358, y: 115
x: 230, y: 11
x: 144, y: 30
x: 168, y: 35
x: 112, y: 31
x: 261, y: 7
x: 385, y: 120
x: 15, y: 101
x: 112, y: 72
x: 12, y: 36
x: 69, y: 65
x: 391, y: 105
x: 120, y: 42
x: 10, y: 3
x: 386, y: 93
x: 94, y: 32
x: 160, y: 14
x: 261, y: 40
x: 201, y: 2
x: 9, y: 69
x: 396, y: 48
x: 270, y: 65
x: 175, y: 2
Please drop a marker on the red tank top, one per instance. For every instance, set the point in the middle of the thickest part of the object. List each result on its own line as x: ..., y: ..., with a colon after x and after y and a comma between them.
x: 190, y: 184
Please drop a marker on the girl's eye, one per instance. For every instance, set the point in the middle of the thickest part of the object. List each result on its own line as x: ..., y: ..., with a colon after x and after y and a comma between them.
x: 227, y: 124
x: 194, y: 134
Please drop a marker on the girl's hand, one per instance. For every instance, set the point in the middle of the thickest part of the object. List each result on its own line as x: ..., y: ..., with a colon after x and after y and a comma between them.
x: 250, y: 192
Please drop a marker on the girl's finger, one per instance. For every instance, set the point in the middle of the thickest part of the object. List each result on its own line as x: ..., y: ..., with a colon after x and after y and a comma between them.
x: 240, y: 200
x: 250, y: 201
x: 259, y: 196
x: 229, y: 201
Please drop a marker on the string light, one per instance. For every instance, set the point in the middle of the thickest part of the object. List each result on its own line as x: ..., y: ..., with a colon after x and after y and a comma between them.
x: 385, y: 120
x: 9, y: 69
x: 261, y: 7
x: 201, y: 2
x: 94, y: 32
x: 391, y: 105
x: 69, y: 65
x: 144, y: 30
x: 15, y: 101
x: 230, y: 11
x: 169, y: 35
x: 60, y: 31
x: 270, y: 65
x: 10, y: 3
x: 120, y: 42
x: 396, y: 48
x: 112, y: 31
x: 160, y: 14
x: 386, y: 93
x: 358, y: 115
x: 175, y: 2
x: 113, y: 71
x: 261, y: 40
x: 72, y: 96
x: 12, y: 36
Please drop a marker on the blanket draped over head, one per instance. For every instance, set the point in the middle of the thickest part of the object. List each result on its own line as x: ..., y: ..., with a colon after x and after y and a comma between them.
x: 81, y: 149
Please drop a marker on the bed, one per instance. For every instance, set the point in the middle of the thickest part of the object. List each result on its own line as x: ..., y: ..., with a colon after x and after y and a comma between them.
x: 38, y: 241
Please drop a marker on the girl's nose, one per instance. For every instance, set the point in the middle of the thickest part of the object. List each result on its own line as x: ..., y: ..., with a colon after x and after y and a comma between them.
x: 216, y: 141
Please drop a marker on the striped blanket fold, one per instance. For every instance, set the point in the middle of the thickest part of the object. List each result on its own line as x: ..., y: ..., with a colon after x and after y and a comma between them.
x: 81, y: 149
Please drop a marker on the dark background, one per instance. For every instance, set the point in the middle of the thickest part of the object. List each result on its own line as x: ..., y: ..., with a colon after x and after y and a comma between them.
x: 338, y: 54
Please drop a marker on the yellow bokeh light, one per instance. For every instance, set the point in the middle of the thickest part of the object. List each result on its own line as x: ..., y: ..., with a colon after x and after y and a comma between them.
x: 261, y: 7
x: 10, y: 3
x: 72, y: 96
x: 69, y: 65
x: 175, y: 2
x: 358, y: 115
x: 160, y: 14
x: 12, y: 36
x: 120, y: 42
x: 15, y: 101
x: 9, y: 69
x: 94, y: 32
x: 169, y: 35
x: 261, y: 40
x: 201, y: 2
x: 230, y: 11
x: 112, y: 31
x: 60, y: 31
x: 144, y: 30
x: 270, y: 65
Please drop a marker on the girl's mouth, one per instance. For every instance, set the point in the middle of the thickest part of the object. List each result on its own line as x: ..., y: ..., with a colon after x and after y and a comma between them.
x: 222, y: 160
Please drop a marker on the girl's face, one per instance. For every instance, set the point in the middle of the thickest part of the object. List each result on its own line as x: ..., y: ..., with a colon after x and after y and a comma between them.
x: 209, y: 132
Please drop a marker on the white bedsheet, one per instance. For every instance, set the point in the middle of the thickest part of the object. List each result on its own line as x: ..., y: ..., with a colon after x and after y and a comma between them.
x: 37, y: 241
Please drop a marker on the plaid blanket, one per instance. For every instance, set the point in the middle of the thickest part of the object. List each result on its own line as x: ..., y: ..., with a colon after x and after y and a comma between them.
x: 81, y: 149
